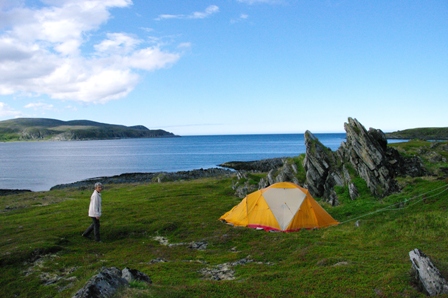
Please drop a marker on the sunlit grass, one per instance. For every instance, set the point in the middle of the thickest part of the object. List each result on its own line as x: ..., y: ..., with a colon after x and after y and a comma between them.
x: 342, y: 261
x: 365, y: 256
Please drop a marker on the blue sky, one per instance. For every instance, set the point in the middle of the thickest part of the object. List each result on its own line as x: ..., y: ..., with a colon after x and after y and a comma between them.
x: 227, y: 67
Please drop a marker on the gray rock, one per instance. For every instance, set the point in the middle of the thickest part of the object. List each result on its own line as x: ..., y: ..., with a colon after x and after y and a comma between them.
x: 223, y: 271
x: 199, y: 245
x: 353, y: 191
x: 365, y: 152
x: 108, y: 281
x: 322, y: 169
x: 264, y: 165
x: 277, y: 169
x: 134, y: 275
x: 104, y: 284
x: 428, y: 277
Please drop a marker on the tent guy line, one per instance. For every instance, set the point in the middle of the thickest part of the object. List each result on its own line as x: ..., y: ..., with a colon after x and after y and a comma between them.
x: 402, y: 202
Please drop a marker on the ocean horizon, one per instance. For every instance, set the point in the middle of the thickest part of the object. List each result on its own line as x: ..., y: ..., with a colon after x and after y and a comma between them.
x: 40, y: 165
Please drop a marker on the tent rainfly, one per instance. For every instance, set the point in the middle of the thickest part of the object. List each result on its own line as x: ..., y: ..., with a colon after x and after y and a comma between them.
x: 283, y: 206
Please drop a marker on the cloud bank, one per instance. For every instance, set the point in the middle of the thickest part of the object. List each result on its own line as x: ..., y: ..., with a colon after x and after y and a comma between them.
x: 46, y: 51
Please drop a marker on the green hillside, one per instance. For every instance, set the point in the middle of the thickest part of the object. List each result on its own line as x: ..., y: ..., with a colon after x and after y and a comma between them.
x: 426, y: 133
x: 30, y: 129
x: 44, y: 255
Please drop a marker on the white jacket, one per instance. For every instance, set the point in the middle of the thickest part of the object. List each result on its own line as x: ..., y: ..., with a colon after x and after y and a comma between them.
x: 95, y: 204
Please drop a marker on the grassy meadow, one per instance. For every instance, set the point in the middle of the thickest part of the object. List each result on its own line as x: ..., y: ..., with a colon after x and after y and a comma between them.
x: 367, y: 255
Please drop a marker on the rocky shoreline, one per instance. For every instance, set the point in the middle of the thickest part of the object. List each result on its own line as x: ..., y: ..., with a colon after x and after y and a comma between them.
x: 147, y: 178
x: 224, y: 170
x: 5, y: 192
x: 365, y: 154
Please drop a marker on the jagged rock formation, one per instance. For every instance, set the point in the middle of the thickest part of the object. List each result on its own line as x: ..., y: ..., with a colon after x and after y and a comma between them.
x: 320, y: 164
x: 365, y: 154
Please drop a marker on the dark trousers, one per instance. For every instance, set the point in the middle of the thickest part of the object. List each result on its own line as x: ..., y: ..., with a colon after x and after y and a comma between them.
x: 95, y: 227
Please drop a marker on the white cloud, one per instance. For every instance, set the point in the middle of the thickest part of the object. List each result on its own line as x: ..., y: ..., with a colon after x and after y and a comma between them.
x: 147, y: 29
x: 95, y: 82
x: 7, y: 111
x: 150, y: 59
x: 210, y: 10
x: 170, y: 16
x: 41, y: 52
x: 39, y: 106
x: 117, y: 43
x: 241, y: 18
x: 184, y: 45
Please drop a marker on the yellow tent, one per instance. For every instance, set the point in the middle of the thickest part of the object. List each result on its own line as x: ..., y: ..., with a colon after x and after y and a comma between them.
x: 282, y: 206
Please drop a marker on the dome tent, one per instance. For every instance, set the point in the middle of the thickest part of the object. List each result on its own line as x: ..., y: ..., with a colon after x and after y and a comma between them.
x: 283, y: 206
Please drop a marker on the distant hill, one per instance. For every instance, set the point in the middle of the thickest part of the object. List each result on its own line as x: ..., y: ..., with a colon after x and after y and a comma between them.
x: 426, y: 133
x: 34, y: 129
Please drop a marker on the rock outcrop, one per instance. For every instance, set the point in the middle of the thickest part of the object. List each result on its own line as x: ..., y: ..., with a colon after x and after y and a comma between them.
x: 264, y: 165
x: 427, y: 277
x: 321, y: 166
x: 108, y: 281
x: 364, y: 154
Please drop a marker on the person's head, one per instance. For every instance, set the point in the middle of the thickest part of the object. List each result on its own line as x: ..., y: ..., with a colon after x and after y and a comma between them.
x: 98, y: 186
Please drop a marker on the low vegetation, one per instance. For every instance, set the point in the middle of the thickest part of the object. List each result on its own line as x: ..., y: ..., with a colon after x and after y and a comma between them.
x: 425, y: 133
x: 42, y: 253
x: 41, y: 129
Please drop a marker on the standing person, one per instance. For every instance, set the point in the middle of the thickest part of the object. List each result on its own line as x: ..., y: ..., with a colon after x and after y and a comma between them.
x: 95, y: 213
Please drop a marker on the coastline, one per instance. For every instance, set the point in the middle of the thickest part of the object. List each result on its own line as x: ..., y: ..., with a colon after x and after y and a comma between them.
x: 224, y: 170
x: 167, y: 159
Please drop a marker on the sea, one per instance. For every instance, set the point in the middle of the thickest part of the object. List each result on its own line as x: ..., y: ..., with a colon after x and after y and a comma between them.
x: 40, y: 165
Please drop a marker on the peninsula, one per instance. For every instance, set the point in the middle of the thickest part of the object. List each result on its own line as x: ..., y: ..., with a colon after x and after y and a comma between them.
x: 423, y: 133
x: 43, y: 129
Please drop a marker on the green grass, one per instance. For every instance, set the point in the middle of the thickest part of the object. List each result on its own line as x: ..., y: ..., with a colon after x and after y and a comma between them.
x: 343, y: 261
x: 42, y: 253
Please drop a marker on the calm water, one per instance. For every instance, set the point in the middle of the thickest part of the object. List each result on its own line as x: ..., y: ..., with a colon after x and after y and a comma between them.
x: 41, y: 165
